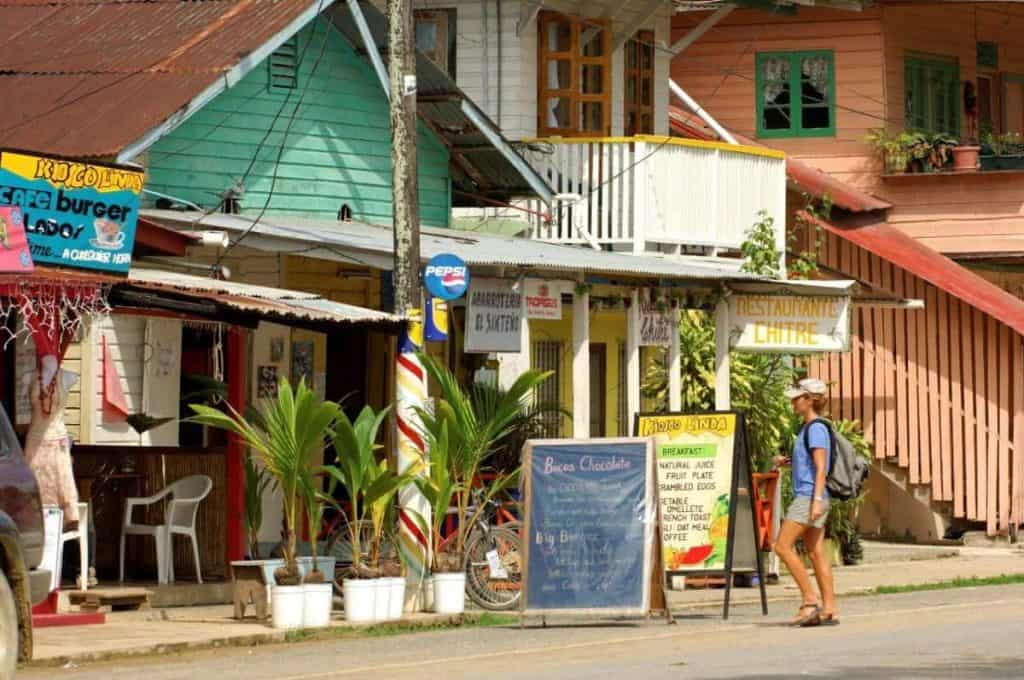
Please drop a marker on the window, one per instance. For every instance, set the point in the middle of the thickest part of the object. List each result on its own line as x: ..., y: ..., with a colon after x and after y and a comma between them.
x: 435, y: 37
x: 931, y: 92
x: 639, y: 84
x: 779, y: 76
x: 283, y: 67
x: 546, y: 355
x: 574, y: 76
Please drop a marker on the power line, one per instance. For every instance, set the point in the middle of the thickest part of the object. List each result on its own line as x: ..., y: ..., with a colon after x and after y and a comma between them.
x: 284, y: 139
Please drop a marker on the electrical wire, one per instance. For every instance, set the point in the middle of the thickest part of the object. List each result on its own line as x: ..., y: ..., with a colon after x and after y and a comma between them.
x: 281, y: 148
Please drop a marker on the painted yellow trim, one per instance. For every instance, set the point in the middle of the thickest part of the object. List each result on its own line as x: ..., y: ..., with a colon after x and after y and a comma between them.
x: 656, y: 139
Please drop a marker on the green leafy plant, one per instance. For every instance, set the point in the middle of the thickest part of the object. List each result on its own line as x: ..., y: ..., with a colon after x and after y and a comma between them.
x: 288, y: 435
x: 257, y: 481
x: 468, y: 426
x: 534, y: 420
x: 370, y: 483
x: 759, y: 252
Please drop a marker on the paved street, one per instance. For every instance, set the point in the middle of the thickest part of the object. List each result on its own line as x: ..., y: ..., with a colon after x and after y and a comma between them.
x: 961, y: 633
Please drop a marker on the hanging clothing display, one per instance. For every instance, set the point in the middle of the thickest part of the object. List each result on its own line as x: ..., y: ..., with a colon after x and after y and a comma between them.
x: 47, y: 447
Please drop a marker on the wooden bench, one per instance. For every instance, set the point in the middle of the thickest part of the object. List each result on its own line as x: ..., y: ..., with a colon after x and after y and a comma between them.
x: 117, y: 599
x: 251, y: 587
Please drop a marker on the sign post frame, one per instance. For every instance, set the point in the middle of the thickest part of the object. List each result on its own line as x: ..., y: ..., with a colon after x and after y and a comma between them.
x: 740, y: 459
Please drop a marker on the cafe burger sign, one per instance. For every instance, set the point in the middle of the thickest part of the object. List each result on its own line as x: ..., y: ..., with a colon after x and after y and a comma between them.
x: 543, y: 299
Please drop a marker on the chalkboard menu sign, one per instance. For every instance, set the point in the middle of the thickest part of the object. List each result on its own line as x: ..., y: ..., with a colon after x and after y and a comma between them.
x: 589, y: 526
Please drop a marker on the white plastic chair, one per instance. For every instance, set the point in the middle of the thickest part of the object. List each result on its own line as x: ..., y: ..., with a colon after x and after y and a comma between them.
x: 179, y: 518
x: 81, y: 534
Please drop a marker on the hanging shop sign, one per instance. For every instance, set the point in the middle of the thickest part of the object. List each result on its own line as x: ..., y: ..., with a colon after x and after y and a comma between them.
x: 446, y: 276
x: 789, y: 323
x: 704, y: 492
x: 494, y: 316
x: 76, y: 214
x: 655, y: 326
x: 543, y: 299
x: 14, y: 250
x: 435, y: 327
x: 589, y: 527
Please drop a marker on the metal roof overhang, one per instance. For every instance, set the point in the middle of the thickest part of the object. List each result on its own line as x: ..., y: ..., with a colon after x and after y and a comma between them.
x: 242, y: 303
x: 893, y: 245
x: 371, y: 246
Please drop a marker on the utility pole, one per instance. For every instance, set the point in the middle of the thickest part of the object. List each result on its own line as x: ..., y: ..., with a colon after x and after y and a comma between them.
x: 410, y: 383
x: 402, y: 74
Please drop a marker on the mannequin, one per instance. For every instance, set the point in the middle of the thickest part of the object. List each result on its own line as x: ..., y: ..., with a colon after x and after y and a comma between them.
x: 47, y: 446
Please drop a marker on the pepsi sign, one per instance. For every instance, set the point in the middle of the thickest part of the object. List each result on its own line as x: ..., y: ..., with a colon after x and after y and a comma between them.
x: 446, y: 276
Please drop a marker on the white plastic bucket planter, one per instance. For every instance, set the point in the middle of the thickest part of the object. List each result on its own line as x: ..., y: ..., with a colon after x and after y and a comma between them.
x: 286, y: 606
x: 382, y: 603
x: 397, y: 600
x: 360, y: 599
x: 318, y: 599
x: 450, y: 593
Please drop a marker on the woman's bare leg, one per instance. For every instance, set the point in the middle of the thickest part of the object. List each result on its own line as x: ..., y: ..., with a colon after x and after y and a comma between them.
x: 814, y: 539
x: 789, y: 534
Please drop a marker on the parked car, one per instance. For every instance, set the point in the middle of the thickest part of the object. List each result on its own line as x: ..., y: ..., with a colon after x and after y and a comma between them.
x: 22, y: 583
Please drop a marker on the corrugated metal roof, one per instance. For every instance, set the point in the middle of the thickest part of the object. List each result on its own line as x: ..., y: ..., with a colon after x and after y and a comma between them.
x: 891, y: 244
x: 480, y: 168
x: 356, y: 242
x: 274, y: 303
x: 78, y: 68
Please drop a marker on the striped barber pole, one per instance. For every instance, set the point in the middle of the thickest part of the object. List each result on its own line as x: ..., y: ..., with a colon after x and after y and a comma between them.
x: 414, y: 513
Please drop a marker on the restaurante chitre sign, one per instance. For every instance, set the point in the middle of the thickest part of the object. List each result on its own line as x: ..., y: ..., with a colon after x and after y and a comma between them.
x: 789, y: 323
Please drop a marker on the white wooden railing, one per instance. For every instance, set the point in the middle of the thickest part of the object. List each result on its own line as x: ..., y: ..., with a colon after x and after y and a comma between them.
x: 650, y: 194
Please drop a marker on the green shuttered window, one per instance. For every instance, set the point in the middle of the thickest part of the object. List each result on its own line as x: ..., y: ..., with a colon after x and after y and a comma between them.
x: 931, y: 87
x: 779, y: 76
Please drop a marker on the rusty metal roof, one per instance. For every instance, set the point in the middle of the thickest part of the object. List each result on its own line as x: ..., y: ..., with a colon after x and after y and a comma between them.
x: 289, y: 306
x: 90, y: 78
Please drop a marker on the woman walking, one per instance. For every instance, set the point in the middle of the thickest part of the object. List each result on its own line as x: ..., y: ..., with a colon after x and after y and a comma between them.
x: 805, y: 518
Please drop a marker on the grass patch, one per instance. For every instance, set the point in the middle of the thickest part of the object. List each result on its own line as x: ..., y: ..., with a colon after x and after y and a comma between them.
x: 470, y: 620
x: 971, y: 582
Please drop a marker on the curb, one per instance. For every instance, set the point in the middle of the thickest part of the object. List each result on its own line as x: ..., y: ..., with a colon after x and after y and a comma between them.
x: 270, y: 637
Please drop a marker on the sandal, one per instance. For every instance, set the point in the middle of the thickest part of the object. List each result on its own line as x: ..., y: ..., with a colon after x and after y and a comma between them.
x: 828, y: 620
x: 810, y: 619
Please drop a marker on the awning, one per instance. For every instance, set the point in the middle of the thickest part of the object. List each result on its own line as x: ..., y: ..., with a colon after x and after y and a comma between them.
x: 213, y: 298
x: 893, y: 245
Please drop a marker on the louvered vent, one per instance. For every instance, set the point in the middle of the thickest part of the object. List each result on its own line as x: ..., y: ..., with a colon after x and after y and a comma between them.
x: 284, y: 67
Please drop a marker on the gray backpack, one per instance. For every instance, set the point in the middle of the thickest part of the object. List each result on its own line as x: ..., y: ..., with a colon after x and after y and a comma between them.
x: 848, y: 470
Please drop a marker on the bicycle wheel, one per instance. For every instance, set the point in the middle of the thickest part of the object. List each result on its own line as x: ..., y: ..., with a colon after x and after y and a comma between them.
x: 495, y: 592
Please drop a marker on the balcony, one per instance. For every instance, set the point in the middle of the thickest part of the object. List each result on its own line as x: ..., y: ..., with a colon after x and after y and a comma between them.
x: 657, y: 194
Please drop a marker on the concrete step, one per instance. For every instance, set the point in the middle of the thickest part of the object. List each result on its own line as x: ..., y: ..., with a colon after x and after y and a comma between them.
x: 876, y: 552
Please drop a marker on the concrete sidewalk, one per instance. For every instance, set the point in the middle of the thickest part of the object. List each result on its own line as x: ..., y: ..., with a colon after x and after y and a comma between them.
x: 159, y: 631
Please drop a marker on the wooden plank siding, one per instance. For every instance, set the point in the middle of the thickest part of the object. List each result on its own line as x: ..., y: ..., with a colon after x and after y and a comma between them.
x: 965, y: 213
x: 942, y: 389
x: 336, y: 146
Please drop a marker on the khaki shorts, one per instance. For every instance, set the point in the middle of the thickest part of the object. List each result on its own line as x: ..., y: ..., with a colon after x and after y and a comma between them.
x: 800, y: 512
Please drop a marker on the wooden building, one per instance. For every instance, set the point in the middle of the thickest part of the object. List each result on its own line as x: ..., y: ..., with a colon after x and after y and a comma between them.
x: 940, y: 392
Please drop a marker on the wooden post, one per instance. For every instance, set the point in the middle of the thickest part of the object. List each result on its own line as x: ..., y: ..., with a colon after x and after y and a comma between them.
x: 581, y: 366
x: 633, y: 358
x: 722, y: 394
x: 234, y: 472
x: 675, y: 378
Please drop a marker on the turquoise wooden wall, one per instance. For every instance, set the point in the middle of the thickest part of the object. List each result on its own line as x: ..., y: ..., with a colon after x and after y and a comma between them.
x: 337, y: 150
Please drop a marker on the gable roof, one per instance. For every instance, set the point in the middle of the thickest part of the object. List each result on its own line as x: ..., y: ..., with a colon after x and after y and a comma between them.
x: 94, y: 80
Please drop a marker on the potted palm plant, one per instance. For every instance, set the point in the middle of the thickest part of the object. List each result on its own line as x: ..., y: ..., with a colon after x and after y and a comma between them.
x: 289, y: 432
x: 371, y: 486
x: 462, y: 431
x: 318, y: 591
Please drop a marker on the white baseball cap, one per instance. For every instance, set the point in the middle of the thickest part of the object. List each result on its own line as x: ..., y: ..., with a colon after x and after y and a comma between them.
x: 806, y: 386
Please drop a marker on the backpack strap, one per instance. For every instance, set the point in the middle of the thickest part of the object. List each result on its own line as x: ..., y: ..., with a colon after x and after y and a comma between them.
x: 831, y: 441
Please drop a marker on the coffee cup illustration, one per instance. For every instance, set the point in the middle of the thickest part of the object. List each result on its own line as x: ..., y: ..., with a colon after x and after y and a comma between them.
x: 108, y: 234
